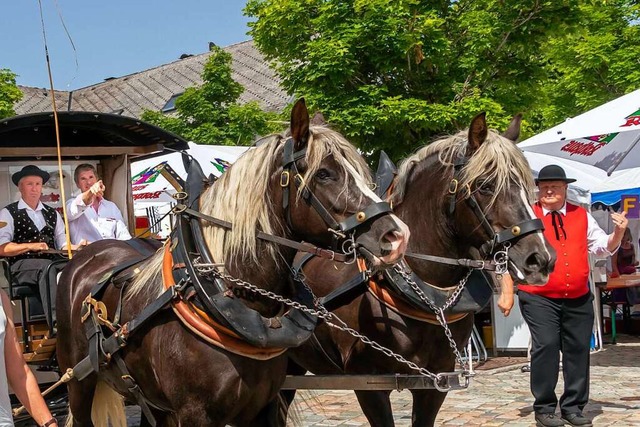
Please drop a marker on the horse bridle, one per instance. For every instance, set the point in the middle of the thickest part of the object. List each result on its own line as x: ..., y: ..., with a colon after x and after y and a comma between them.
x: 341, y: 231
x: 503, y: 238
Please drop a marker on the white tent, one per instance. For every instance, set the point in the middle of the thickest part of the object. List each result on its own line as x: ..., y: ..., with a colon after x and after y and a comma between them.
x: 150, y: 187
x: 601, y: 188
x: 606, y: 137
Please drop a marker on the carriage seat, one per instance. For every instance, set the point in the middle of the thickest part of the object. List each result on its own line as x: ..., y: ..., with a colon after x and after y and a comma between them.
x: 29, y: 295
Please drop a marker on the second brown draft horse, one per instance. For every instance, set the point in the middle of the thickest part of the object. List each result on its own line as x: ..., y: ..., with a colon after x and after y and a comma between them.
x: 466, y: 196
x: 183, y: 378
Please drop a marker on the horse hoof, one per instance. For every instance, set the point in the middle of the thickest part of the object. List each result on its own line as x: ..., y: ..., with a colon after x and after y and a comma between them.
x: 526, y: 368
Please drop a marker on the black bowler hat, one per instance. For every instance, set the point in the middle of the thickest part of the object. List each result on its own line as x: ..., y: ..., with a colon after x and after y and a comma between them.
x: 30, y: 170
x: 553, y: 173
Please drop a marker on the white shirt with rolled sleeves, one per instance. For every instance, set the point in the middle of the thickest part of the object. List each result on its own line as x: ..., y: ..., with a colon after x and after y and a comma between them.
x: 6, y: 233
x: 86, y: 223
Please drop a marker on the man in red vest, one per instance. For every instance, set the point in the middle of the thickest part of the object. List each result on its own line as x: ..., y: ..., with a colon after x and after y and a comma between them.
x: 560, y: 314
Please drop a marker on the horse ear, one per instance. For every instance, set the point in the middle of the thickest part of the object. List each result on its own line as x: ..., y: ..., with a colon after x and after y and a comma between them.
x: 478, y: 131
x: 318, y: 119
x: 300, y: 124
x: 513, y: 131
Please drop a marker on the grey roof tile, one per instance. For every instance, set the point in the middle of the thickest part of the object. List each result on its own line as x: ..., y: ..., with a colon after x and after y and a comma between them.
x: 151, y: 89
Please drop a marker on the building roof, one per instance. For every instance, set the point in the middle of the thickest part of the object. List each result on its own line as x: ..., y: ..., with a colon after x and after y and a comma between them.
x: 151, y: 89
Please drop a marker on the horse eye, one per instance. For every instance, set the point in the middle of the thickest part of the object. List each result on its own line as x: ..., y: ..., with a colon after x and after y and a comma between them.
x: 485, y: 188
x: 323, y: 174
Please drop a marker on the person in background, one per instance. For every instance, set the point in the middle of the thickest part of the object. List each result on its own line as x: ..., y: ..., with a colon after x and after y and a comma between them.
x: 91, y: 216
x: 32, y: 229
x: 560, y: 314
x: 14, y: 372
x: 624, y: 260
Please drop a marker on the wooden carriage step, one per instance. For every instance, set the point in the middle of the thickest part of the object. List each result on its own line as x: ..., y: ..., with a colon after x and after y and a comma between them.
x: 43, y: 350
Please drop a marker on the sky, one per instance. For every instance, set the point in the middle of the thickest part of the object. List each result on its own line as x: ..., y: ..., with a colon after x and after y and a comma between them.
x: 112, y: 38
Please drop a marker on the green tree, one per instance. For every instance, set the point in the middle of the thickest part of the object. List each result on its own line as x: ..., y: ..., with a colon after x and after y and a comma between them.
x: 592, y: 62
x: 394, y: 74
x: 9, y: 93
x: 211, y: 114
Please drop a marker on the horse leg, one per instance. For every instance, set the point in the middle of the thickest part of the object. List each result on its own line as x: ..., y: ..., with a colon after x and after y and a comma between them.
x: 285, y: 397
x: 426, y: 404
x: 80, y: 401
x: 376, y: 406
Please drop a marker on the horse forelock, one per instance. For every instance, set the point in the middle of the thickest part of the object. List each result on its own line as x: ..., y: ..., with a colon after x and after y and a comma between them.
x: 326, y: 142
x: 498, y: 160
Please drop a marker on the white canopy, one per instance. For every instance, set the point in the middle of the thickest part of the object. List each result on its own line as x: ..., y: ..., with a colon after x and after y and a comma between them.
x: 606, y: 137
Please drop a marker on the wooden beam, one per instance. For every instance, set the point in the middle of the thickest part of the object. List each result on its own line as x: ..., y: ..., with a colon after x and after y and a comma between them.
x: 88, y: 151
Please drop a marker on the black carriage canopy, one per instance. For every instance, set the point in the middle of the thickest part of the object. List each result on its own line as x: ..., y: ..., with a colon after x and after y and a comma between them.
x: 82, y: 135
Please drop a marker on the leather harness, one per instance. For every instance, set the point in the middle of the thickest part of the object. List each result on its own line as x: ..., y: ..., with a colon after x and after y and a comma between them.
x: 203, y: 302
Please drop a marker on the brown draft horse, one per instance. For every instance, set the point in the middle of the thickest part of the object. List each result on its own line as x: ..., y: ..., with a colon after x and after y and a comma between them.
x: 193, y: 382
x: 497, y: 176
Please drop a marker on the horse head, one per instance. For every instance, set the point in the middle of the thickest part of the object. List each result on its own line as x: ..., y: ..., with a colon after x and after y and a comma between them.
x: 478, y: 187
x: 308, y: 184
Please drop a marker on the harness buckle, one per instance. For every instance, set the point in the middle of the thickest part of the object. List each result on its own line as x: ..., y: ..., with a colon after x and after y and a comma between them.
x: 180, y: 195
x: 453, y: 186
x: 284, y: 179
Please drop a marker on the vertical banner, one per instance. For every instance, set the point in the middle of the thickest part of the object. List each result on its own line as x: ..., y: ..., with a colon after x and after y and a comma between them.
x: 630, y: 203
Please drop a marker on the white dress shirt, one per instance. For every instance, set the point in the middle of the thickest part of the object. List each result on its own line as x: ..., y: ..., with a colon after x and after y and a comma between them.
x: 597, y: 239
x: 86, y: 223
x: 6, y: 232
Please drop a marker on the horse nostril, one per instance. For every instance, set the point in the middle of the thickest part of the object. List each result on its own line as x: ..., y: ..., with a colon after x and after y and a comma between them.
x: 536, y: 263
x: 390, y: 241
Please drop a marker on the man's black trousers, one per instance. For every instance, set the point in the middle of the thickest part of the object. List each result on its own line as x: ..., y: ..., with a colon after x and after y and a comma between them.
x: 559, y: 325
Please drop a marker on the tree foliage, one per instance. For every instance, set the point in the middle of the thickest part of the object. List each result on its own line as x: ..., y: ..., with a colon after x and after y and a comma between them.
x: 394, y: 74
x: 9, y: 93
x: 211, y: 114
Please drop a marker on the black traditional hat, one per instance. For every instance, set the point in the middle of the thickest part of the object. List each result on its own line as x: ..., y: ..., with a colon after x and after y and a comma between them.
x: 30, y: 170
x: 553, y: 173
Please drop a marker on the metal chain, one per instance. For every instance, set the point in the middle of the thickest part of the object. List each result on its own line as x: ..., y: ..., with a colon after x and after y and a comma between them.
x: 328, y: 317
x: 439, y: 311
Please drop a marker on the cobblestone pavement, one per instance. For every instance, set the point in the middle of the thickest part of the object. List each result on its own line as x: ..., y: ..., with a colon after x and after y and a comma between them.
x: 497, y: 397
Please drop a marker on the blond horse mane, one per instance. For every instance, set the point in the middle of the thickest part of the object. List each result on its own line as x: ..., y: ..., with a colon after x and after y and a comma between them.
x: 498, y: 160
x: 241, y: 196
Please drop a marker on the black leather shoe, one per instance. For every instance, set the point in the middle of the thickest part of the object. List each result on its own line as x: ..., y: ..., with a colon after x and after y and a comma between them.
x: 548, y: 420
x: 577, y: 419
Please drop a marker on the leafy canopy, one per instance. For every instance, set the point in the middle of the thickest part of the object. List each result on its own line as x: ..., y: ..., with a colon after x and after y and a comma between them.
x: 9, y: 93
x: 211, y: 114
x: 394, y: 74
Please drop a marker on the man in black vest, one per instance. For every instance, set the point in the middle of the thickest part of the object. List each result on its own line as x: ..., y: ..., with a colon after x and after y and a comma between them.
x: 32, y: 228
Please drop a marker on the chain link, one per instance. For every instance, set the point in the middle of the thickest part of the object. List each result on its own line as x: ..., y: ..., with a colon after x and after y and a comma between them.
x: 440, y: 380
x: 439, y: 311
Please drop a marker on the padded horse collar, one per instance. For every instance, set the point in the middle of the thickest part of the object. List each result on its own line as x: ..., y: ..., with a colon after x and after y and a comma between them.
x: 475, y: 295
x: 213, y: 294
x: 340, y: 229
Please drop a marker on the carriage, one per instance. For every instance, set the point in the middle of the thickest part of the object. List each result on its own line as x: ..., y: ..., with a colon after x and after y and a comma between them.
x: 116, y: 141
x: 109, y: 142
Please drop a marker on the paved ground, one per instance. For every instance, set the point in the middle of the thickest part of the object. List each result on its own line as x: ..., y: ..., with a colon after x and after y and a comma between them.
x: 498, y: 397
